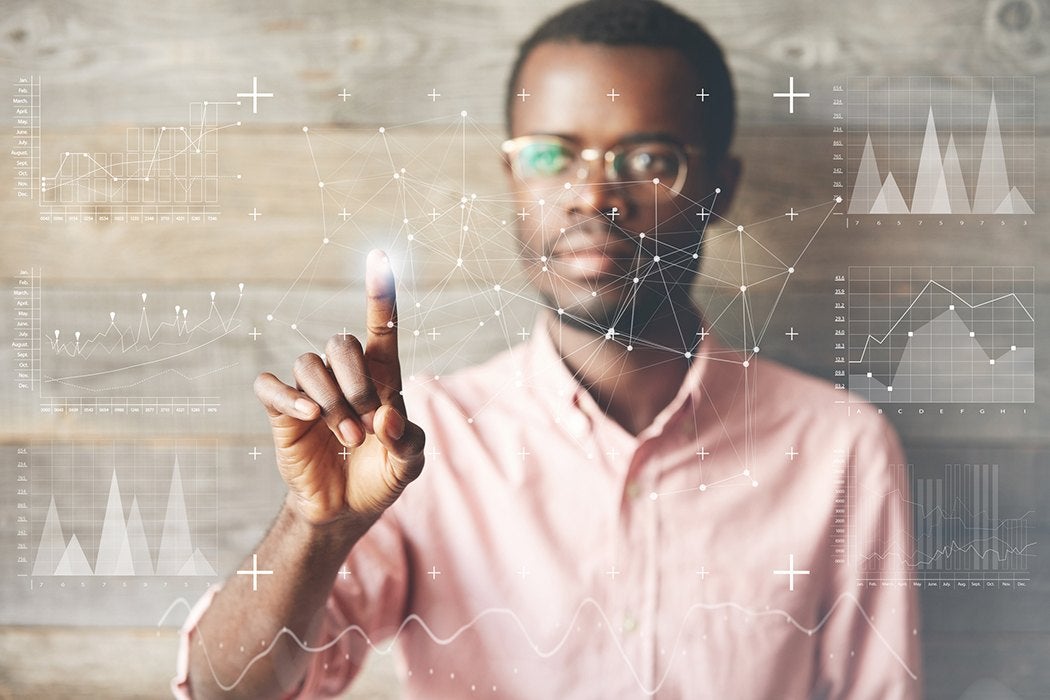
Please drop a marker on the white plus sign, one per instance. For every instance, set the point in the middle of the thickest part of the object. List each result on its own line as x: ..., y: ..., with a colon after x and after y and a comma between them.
x: 791, y: 333
x: 524, y: 333
x: 702, y: 573
x: 790, y: 572
x: 522, y: 453
x: 255, y: 572
x: 703, y: 453
x: 434, y: 333
x: 344, y: 94
x: 703, y: 214
x: 612, y: 572
x: 523, y: 213
x: 791, y: 94
x: 613, y: 213
x: 255, y: 214
x: 433, y: 573
x: 345, y: 214
x: 612, y: 94
x: 703, y: 94
x: 255, y: 94
x: 523, y: 94
x: 791, y: 214
x: 255, y: 454
x: 344, y: 333
x: 523, y: 572
x: 434, y: 95
x: 434, y: 214
x: 344, y: 572
x: 791, y: 454
x: 703, y: 333
x: 612, y: 453
x: 344, y: 453
x: 255, y: 333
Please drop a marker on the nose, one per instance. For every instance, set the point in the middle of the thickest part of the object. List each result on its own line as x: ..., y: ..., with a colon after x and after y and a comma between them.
x: 595, y: 195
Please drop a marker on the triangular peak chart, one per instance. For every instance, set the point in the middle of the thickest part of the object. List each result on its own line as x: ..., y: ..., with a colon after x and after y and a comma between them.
x: 119, y: 509
x: 938, y: 145
x: 947, y: 334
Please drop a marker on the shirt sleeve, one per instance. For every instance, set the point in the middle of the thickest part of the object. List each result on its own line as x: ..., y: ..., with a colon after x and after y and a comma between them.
x: 871, y: 644
x: 365, y: 608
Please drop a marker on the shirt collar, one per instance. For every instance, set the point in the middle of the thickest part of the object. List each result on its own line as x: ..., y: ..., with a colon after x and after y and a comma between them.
x: 555, y: 386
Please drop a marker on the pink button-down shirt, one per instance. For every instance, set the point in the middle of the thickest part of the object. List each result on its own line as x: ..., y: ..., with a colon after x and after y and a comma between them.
x: 545, y: 552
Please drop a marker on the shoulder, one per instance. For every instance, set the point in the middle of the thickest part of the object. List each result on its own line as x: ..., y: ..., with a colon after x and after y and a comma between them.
x: 783, y: 393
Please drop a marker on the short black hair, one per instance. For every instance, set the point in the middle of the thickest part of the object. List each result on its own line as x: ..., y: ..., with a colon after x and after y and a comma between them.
x: 644, y: 23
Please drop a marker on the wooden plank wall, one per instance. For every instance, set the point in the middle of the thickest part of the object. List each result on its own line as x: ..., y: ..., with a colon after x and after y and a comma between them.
x: 107, y: 67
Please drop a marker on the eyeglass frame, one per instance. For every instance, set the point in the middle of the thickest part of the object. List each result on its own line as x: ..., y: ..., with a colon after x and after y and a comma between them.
x: 586, y: 156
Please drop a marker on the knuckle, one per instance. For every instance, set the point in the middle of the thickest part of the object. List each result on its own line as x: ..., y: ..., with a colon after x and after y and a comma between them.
x: 362, y: 395
x: 333, y: 408
x: 306, y: 362
x: 342, y: 345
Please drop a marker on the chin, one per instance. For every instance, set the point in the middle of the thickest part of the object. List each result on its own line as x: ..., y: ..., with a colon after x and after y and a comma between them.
x: 624, y: 308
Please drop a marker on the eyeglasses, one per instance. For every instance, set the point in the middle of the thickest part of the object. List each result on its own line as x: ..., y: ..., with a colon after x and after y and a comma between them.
x: 551, y: 161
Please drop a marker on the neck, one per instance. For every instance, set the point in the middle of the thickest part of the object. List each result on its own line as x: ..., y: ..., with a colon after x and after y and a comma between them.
x: 632, y: 386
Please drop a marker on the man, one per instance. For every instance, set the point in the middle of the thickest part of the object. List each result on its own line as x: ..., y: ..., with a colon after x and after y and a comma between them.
x: 620, y: 506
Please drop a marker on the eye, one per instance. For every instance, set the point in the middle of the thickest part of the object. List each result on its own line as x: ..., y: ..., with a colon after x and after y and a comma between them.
x: 645, y: 161
x: 544, y: 160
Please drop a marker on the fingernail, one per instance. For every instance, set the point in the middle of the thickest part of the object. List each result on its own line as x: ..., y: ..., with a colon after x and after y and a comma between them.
x: 304, y: 407
x: 377, y: 267
x: 395, y: 425
x: 349, y: 432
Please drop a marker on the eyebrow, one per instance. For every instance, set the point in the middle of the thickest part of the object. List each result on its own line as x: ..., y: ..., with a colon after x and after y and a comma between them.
x: 635, y: 137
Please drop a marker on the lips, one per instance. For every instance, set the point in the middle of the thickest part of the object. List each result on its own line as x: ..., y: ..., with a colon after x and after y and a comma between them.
x: 581, y: 255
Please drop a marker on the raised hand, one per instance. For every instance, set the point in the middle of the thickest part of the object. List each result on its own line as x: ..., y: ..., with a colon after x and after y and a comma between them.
x: 353, y: 404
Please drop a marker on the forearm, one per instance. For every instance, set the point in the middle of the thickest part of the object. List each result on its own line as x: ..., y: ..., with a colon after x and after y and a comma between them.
x: 240, y: 631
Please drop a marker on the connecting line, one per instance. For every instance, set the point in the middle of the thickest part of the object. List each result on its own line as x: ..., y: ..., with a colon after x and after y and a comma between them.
x: 918, y: 296
x: 843, y: 599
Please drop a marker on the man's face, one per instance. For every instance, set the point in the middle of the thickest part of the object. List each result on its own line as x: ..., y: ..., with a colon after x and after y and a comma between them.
x: 610, y: 269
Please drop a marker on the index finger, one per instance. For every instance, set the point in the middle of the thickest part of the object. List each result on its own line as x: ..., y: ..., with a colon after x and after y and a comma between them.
x: 381, y: 323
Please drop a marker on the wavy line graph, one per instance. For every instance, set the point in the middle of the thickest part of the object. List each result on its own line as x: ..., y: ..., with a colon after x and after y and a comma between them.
x: 607, y: 625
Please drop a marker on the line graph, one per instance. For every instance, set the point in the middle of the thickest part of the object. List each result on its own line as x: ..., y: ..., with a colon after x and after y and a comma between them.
x: 158, y: 174
x: 143, y: 355
x: 942, y: 334
x: 951, y: 530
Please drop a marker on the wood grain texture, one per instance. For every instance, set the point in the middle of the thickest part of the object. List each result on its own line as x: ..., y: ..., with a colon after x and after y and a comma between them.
x: 123, y: 64
x: 390, y: 56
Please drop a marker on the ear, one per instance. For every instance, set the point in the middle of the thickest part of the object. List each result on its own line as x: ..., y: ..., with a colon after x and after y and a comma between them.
x: 728, y: 176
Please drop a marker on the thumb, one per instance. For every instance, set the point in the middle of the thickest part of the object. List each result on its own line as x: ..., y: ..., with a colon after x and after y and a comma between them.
x: 403, y: 440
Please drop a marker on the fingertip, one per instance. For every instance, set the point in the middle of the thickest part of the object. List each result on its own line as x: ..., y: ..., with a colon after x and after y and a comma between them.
x: 350, y: 433
x: 307, y: 409
x: 377, y: 268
